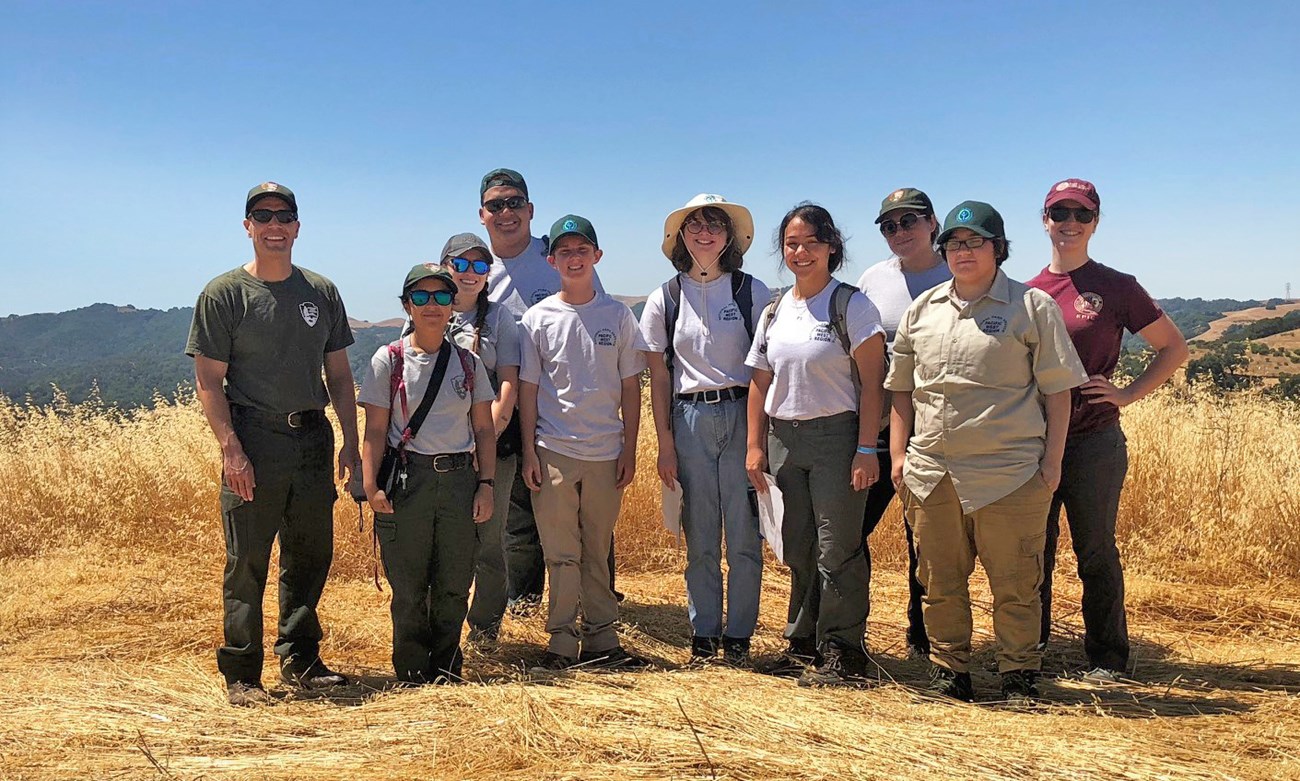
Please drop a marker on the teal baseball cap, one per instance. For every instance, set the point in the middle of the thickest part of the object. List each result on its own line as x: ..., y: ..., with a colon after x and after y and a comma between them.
x: 572, y: 224
x: 976, y: 216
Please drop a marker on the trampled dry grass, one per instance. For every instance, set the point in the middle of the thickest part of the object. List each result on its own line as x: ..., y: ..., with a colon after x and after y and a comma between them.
x: 110, y: 554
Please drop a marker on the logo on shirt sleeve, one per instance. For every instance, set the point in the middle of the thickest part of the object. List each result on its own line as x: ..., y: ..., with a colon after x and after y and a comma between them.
x: 605, y: 337
x: 458, y: 385
x: 994, y: 325
x: 1088, y: 305
x: 729, y: 312
x: 310, y: 313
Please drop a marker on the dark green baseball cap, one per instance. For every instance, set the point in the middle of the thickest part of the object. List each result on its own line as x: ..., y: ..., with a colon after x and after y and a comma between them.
x: 575, y: 225
x: 905, y: 198
x: 269, y: 188
x: 502, y: 177
x: 429, y: 271
x: 977, y: 216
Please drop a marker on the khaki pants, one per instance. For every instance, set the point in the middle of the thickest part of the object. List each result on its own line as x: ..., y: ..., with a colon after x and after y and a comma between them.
x: 576, y: 510
x: 1008, y: 537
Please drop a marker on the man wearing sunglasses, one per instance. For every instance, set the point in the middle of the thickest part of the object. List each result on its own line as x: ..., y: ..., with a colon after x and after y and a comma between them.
x: 261, y: 335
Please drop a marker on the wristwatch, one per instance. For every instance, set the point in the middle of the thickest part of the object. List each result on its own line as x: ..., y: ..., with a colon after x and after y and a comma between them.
x: 489, y: 481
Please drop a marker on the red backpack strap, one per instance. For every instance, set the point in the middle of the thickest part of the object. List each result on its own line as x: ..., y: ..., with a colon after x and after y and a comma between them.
x: 467, y: 368
x: 397, y: 379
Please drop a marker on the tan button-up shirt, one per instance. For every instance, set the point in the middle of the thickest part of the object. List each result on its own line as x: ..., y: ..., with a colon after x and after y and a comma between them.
x: 977, y: 373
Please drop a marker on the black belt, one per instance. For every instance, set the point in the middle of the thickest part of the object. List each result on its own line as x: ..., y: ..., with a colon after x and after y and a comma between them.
x: 442, y: 462
x: 297, y: 419
x: 715, y: 396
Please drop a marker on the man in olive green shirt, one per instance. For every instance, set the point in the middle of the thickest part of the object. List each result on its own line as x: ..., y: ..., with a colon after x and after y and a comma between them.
x: 261, y: 335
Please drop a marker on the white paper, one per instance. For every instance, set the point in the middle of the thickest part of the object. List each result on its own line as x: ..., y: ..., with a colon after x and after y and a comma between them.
x: 671, y: 500
x: 771, y: 510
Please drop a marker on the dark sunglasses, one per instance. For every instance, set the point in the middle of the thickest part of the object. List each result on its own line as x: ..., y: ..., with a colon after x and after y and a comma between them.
x: 1063, y: 213
x: 974, y: 242
x: 498, y: 205
x: 712, y: 226
x: 906, y: 222
x: 282, y: 216
x: 421, y: 297
x: 461, y: 265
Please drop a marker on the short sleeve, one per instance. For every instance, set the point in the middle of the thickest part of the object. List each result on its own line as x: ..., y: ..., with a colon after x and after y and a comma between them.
x: 377, y: 379
x: 762, y: 295
x: 902, y: 366
x: 1056, y: 363
x: 211, y: 330
x: 757, y: 358
x: 507, y: 338
x: 863, y: 320
x: 654, y: 328
x: 1140, y: 310
x: 530, y: 360
x: 631, y: 359
x: 340, y: 332
x: 482, y: 385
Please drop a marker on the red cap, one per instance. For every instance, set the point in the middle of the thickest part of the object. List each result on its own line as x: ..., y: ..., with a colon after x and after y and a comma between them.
x: 1073, y: 190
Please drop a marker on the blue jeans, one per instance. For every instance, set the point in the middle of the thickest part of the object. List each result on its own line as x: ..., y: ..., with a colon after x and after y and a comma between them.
x: 710, y: 444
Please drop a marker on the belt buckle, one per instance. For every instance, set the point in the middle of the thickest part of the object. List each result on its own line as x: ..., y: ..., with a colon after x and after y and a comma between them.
x: 294, y: 419
x: 445, y: 458
x: 717, y: 396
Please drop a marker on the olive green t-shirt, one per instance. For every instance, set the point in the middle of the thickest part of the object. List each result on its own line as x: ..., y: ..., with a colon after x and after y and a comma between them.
x: 273, y: 335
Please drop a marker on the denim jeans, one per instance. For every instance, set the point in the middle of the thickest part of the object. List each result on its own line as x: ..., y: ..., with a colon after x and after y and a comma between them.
x: 710, y: 444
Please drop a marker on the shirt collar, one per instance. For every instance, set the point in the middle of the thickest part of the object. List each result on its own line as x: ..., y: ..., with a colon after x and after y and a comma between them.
x: 999, y: 291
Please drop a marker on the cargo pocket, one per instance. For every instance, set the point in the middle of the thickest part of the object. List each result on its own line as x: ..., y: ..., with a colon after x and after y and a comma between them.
x: 1031, y: 560
x: 385, y: 528
x: 232, y: 519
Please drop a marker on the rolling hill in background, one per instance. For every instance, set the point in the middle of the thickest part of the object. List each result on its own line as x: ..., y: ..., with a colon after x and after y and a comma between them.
x: 132, y: 354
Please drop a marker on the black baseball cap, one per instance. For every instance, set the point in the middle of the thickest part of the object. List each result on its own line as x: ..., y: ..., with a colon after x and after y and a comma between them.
x: 269, y: 188
x: 503, y: 177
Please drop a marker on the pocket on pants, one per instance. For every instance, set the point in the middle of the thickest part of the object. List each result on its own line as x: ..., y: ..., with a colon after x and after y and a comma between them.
x: 385, y: 528
x: 231, y: 519
x: 1031, y: 558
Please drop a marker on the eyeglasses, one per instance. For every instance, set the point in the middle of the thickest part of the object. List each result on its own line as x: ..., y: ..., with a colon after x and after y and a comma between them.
x: 498, y: 205
x: 906, y: 222
x: 461, y: 265
x: 712, y: 226
x: 974, y: 242
x: 282, y: 216
x: 421, y: 297
x: 1064, y: 213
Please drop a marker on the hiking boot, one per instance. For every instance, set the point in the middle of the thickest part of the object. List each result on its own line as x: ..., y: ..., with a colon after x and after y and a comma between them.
x: 312, y: 676
x: 616, y: 658
x: 735, y: 652
x: 482, y: 639
x: 837, y: 667
x: 918, y: 652
x: 525, y: 606
x: 1018, y: 686
x: 946, y: 683
x: 703, y: 649
x: 1102, y: 675
x: 552, y: 662
x: 246, y: 694
x: 798, y: 656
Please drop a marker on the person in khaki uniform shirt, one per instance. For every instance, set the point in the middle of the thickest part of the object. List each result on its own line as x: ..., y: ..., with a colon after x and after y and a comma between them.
x: 982, y: 372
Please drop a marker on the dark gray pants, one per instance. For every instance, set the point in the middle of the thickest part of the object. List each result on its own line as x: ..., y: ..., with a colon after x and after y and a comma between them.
x: 525, y: 567
x: 1092, y: 475
x: 822, y: 532
x: 428, y: 547
x: 294, y: 500
x: 879, y: 495
x: 489, y: 604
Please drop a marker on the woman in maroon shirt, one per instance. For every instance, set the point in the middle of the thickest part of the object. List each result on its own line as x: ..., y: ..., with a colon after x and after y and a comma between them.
x: 1099, y: 304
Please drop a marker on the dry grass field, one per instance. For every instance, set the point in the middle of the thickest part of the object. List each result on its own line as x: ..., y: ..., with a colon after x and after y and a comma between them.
x: 110, y: 558
x: 1243, y: 316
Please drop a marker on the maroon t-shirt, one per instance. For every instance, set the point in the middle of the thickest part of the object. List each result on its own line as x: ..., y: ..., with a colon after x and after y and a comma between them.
x: 1098, y: 303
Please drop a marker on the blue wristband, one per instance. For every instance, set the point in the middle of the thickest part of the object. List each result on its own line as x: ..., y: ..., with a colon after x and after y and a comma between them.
x: 868, y: 451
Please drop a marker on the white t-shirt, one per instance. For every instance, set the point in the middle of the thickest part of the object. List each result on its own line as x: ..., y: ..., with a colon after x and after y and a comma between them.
x: 812, y: 375
x: 710, y: 341
x: 447, y: 428
x: 578, y: 356
x: 520, y: 282
x: 892, y: 289
x: 499, y: 341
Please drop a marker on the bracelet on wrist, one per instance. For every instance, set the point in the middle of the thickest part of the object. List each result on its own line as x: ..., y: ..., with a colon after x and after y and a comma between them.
x: 868, y: 451
x: 488, y: 481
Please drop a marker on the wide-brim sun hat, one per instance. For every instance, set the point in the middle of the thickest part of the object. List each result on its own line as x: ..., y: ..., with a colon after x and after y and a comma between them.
x: 742, y: 222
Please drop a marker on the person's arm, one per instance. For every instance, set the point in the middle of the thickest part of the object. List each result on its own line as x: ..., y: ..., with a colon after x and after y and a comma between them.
x: 870, y: 360
x: 504, y: 406
x: 902, y: 416
x: 209, y: 382
x: 530, y: 467
x: 343, y: 395
x: 1171, y: 352
x: 756, y: 434
x: 485, y: 453
x: 372, y: 452
x: 630, y: 404
x: 1057, y: 406
x: 661, y: 401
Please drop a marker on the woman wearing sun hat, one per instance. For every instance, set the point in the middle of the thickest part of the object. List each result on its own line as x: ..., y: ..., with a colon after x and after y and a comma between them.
x: 490, y: 331
x: 981, y: 375
x: 699, y: 326
x: 1099, y: 304
x: 434, y: 413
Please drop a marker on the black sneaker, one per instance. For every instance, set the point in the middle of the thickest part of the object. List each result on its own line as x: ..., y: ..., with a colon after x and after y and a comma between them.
x: 614, y: 659
x: 918, y: 652
x: 735, y: 652
x: 483, y: 639
x: 798, y: 656
x: 946, y: 683
x: 1019, y: 686
x: 552, y: 662
x: 246, y: 694
x: 837, y: 667
x: 311, y: 676
x: 703, y: 649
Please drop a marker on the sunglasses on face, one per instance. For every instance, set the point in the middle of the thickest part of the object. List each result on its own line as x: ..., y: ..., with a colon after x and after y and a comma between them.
x: 282, y: 216
x: 974, y: 242
x: 422, y: 297
x: 1064, y: 213
x: 906, y: 223
x: 498, y: 205
x: 461, y: 265
x: 699, y: 226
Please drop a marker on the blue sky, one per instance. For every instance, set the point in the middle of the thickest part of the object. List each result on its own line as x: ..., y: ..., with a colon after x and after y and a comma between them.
x: 129, y: 131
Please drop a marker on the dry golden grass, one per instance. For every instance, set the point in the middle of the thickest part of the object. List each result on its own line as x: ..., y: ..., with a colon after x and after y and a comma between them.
x: 1243, y: 316
x: 110, y: 554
